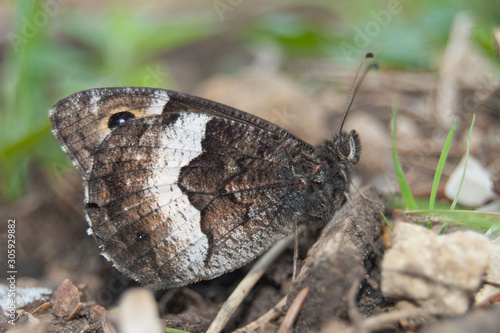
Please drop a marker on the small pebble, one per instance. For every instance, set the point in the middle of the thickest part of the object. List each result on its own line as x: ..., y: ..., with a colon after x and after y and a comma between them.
x: 477, y: 187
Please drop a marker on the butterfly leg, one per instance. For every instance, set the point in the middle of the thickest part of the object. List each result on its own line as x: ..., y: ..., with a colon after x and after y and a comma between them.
x: 295, y: 247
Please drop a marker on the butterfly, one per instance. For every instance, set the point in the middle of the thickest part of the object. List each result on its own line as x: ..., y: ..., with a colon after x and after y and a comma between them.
x: 179, y: 188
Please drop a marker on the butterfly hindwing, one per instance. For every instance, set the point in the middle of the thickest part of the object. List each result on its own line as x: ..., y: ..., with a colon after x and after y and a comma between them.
x: 176, y: 194
x: 179, y: 188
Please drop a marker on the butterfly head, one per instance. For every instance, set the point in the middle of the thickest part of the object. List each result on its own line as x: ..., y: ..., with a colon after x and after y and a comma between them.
x: 334, y: 175
x: 347, y: 147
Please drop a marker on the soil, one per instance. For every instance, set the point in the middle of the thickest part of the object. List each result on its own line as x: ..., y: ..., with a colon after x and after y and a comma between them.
x: 342, y: 269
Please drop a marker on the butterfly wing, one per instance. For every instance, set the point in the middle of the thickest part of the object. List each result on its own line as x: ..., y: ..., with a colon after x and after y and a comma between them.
x: 81, y: 121
x: 181, y: 197
x: 191, y: 193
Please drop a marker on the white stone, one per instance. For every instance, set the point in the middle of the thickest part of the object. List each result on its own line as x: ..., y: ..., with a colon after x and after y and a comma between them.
x: 440, y: 273
x: 138, y: 312
x: 477, y: 187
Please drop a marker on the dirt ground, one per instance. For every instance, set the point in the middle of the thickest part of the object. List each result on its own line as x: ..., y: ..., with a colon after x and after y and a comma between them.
x: 51, y: 231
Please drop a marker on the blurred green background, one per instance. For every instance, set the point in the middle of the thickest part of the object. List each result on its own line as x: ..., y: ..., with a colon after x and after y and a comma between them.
x: 53, y: 48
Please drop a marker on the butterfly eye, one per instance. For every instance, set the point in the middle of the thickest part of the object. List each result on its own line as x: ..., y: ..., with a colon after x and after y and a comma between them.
x: 344, y: 148
x: 119, y: 118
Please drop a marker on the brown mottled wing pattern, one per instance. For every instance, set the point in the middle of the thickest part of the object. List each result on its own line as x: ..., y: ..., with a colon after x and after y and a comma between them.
x: 80, y: 121
x: 174, y: 200
x: 186, y: 194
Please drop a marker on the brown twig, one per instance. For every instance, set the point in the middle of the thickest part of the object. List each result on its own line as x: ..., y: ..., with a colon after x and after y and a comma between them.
x: 267, y: 317
x: 294, y: 310
x: 495, y: 298
x: 246, y: 285
x: 387, y: 319
x: 492, y: 283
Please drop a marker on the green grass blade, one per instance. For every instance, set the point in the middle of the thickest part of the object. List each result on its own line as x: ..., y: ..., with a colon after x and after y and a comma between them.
x: 405, y: 188
x: 175, y: 330
x: 454, y: 203
x: 440, y: 166
x: 467, y: 218
x: 387, y: 222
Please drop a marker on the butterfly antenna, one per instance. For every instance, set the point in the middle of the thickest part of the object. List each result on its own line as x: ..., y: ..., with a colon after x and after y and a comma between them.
x: 355, y: 86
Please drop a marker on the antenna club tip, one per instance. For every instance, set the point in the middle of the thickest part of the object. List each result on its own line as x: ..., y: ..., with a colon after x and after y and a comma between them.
x: 369, y: 55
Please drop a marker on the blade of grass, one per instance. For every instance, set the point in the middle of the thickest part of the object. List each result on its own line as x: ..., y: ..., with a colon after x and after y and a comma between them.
x: 405, y: 188
x: 175, y: 330
x: 454, y: 203
x: 466, y: 218
x: 387, y: 222
x: 440, y: 167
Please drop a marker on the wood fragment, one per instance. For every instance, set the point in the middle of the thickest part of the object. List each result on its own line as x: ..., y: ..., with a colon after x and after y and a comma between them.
x: 388, y: 319
x: 293, y: 311
x: 267, y: 317
x: 344, y: 253
x: 492, y: 283
x: 489, y: 301
x: 42, y: 308
x: 246, y: 285
x: 75, y: 312
x: 448, y: 88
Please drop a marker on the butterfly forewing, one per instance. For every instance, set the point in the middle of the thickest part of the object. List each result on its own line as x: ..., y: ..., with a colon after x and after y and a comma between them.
x: 178, y: 188
x: 184, y: 196
x: 80, y: 121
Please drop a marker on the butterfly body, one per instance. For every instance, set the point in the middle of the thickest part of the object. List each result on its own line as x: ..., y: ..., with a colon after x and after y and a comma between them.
x: 179, y: 188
